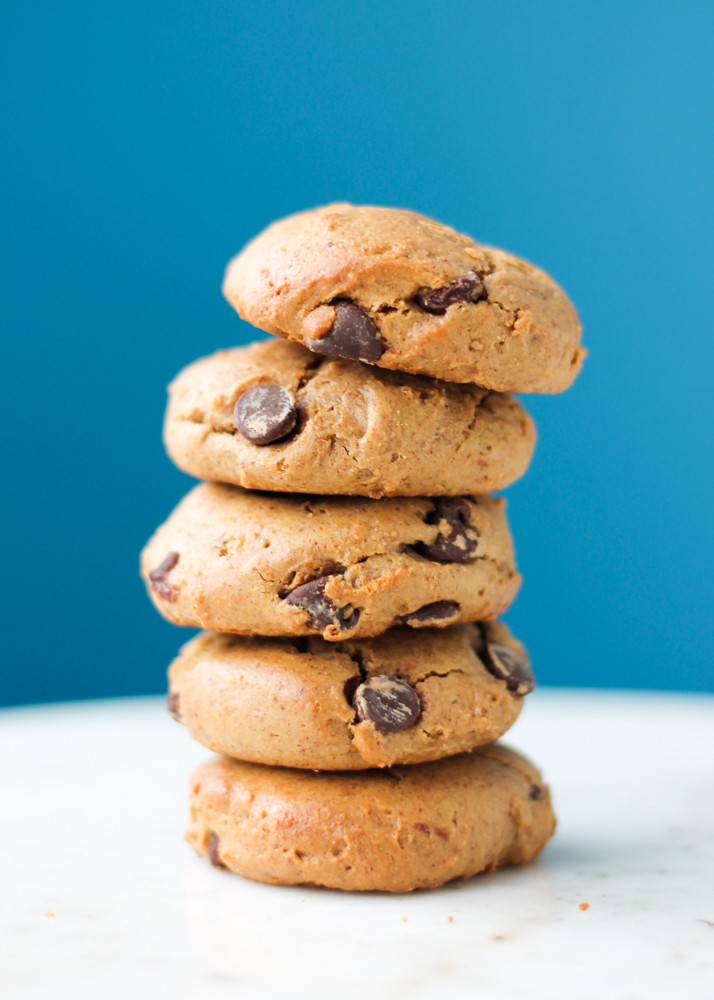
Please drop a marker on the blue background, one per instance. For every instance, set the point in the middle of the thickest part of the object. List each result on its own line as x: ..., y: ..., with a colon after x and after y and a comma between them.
x: 146, y: 142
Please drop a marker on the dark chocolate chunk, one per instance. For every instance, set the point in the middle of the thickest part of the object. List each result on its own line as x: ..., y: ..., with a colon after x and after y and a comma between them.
x: 458, y: 539
x: 350, y: 686
x: 213, y: 856
x: 159, y: 578
x: 265, y: 413
x: 354, y: 335
x: 320, y: 609
x: 536, y: 793
x: 469, y: 288
x: 172, y: 703
x: 510, y: 666
x: 389, y: 702
x: 434, y: 612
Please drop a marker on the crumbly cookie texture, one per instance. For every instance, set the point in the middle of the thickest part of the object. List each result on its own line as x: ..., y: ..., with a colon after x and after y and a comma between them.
x: 347, y: 706
x: 399, y: 290
x: 233, y: 560
x: 337, y: 426
x: 395, y: 830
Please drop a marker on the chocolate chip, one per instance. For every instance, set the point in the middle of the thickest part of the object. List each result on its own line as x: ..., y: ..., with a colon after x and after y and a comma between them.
x: 354, y: 335
x: 265, y: 413
x: 510, y: 666
x: 172, y: 704
x: 159, y: 578
x: 459, y: 543
x: 536, y: 793
x: 320, y: 609
x: 350, y: 686
x: 469, y: 288
x: 389, y: 702
x: 213, y: 844
x: 434, y: 612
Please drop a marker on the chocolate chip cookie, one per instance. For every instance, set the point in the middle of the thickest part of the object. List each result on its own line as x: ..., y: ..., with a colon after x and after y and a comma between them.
x: 396, y: 289
x: 233, y: 560
x: 402, y: 698
x: 394, y: 830
x: 274, y: 416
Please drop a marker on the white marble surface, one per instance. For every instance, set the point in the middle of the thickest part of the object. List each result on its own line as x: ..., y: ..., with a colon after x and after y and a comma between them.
x: 101, y: 897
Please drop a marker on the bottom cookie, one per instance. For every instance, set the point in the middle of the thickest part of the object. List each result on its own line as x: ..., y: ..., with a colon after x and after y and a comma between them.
x: 395, y: 830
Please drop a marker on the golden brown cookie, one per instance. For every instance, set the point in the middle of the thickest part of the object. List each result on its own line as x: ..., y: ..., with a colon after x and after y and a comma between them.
x: 233, y: 560
x: 399, y: 290
x: 395, y: 830
x: 402, y: 698
x: 273, y: 416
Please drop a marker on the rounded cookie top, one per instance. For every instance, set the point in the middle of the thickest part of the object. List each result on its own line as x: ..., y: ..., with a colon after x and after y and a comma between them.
x: 394, y: 830
x: 399, y: 290
x: 401, y: 698
x: 274, y: 416
x: 233, y: 560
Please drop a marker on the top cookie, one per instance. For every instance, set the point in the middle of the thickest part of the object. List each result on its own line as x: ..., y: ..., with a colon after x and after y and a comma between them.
x: 396, y: 289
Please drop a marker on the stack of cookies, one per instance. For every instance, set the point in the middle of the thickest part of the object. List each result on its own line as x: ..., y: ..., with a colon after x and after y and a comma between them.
x: 347, y: 560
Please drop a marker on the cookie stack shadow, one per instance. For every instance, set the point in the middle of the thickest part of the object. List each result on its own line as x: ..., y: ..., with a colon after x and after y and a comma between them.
x: 347, y: 561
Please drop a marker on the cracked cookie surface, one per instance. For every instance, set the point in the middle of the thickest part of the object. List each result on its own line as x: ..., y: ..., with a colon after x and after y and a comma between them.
x: 294, y: 703
x: 356, y: 430
x: 343, y: 567
x: 394, y: 830
x: 397, y: 289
